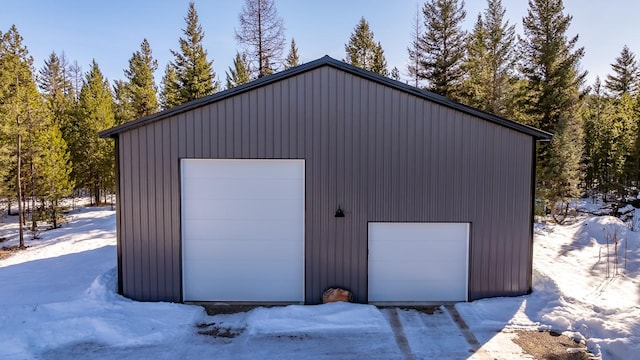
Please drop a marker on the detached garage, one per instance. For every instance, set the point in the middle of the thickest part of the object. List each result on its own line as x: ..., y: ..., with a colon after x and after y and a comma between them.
x: 324, y: 175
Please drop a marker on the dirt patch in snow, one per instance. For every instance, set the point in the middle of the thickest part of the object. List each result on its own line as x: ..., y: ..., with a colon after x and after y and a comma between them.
x: 7, y: 251
x: 219, y: 331
x: 551, y: 346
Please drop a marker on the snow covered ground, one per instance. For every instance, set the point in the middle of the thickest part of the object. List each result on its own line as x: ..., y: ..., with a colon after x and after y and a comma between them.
x: 58, y: 300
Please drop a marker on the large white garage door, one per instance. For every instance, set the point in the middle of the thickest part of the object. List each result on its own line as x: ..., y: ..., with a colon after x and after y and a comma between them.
x: 418, y: 262
x: 242, y: 230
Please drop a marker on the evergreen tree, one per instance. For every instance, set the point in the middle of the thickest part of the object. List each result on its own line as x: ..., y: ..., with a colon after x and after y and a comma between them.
x: 292, y: 59
x: 76, y: 77
x: 362, y: 50
x: 478, y: 73
x: 626, y: 74
x: 395, y: 74
x: 55, y: 167
x: 261, y: 34
x: 94, y: 167
x: 22, y: 113
x: 53, y: 159
x: 55, y: 84
x: 379, y: 64
x: 491, y: 61
x: 550, y: 66
x: 195, y: 77
x: 602, y: 160
x: 631, y: 107
x: 141, y: 86
x: 443, y: 46
x: 123, y: 110
x: 414, y: 67
x: 238, y: 74
x: 169, y: 95
x: 625, y: 122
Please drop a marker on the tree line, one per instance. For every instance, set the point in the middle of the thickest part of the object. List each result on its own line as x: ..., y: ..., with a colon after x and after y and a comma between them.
x: 50, y: 117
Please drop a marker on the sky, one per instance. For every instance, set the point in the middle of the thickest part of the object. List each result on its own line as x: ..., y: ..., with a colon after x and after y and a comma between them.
x: 110, y: 31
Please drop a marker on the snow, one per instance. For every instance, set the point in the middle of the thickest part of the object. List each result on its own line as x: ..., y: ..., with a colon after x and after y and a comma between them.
x: 58, y: 300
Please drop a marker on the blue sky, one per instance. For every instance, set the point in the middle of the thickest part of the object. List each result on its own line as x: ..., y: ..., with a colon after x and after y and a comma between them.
x: 110, y: 31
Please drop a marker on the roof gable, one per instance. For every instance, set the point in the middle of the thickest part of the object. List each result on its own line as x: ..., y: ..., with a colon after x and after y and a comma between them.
x: 326, y: 61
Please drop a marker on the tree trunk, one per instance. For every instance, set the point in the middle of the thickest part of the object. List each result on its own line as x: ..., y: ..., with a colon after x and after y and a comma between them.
x: 54, y: 214
x: 96, y: 194
x: 34, y: 217
x: 19, y: 190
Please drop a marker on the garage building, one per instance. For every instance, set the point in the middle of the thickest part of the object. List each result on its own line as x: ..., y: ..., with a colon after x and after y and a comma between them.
x: 324, y: 175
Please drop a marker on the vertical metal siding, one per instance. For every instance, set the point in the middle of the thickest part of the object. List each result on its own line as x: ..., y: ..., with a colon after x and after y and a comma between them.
x: 379, y: 153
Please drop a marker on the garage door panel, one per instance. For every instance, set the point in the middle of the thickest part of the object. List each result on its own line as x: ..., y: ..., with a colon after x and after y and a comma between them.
x: 239, y: 292
x: 429, y: 255
x: 397, y: 231
x: 240, y: 229
x: 440, y: 290
x: 243, y: 230
x: 257, y: 250
x: 206, y: 285
x: 243, y: 209
x: 237, y: 169
x: 423, y: 262
x: 408, y: 271
x: 241, y: 188
x: 242, y: 272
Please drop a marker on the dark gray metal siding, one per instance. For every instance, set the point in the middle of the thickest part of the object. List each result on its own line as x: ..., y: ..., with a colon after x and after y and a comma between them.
x: 380, y: 153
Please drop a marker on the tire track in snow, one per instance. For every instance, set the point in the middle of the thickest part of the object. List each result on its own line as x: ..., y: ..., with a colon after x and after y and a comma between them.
x: 398, y: 333
x: 466, y: 332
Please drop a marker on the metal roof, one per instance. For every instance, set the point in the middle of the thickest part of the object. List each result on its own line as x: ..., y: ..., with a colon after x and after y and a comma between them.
x: 326, y: 61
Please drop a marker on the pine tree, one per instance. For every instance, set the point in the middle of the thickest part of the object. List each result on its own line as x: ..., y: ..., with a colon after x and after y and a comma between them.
x: 550, y: 66
x: 362, y: 50
x: 626, y: 74
x: 22, y: 113
x: 601, y: 160
x: 443, y: 46
x: 238, y: 74
x: 395, y: 74
x: 626, y: 123
x: 379, y: 64
x: 292, y: 59
x: 54, y: 166
x: 195, y: 77
x: 55, y: 84
x: 141, y: 86
x: 169, y: 95
x: 7, y: 181
x: 561, y: 174
x: 550, y: 63
x: 414, y: 66
x: 478, y: 73
x: 53, y: 159
x: 93, y: 168
x: 631, y: 106
x: 123, y: 110
x: 76, y: 77
x: 491, y: 62
x: 261, y: 34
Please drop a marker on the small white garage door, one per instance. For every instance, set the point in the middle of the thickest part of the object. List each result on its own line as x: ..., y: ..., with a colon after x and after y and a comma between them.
x: 242, y: 230
x: 418, y: 262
